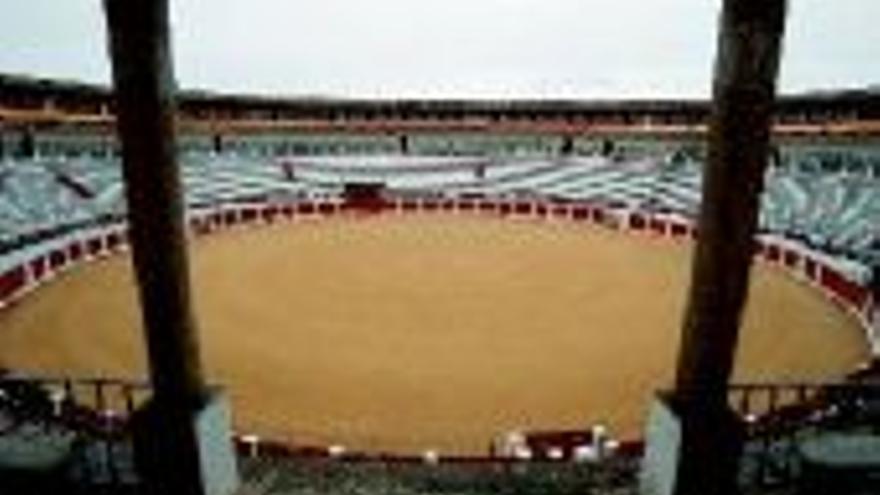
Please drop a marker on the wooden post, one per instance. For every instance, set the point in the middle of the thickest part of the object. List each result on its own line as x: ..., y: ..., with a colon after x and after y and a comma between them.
x: 746, y: 69
x: 145, y: 92
x: 739, y: 138
x: 146, y: 120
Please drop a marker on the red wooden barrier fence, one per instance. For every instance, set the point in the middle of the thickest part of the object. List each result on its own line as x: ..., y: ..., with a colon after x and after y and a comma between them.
x: 38, y: 267
x: 847, y: 290
x: 637, y: 222
x: 12, y: 281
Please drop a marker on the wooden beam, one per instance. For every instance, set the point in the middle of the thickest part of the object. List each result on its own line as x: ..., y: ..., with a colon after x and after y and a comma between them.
x: 738, y: 152
x: 145, y: 96
x: 744, y: 89
x: 145, y: 91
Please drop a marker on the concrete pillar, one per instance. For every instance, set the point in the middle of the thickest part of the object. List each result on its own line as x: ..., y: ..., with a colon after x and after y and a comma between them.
x: 179, y: 437
x: 746, y: 70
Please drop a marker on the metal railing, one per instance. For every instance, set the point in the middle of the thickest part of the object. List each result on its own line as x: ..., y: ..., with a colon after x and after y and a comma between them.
x: 777, y: 417
x: 84, y: 422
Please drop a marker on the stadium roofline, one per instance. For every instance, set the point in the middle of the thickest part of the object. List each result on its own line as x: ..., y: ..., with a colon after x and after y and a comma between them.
x: 869, y: 95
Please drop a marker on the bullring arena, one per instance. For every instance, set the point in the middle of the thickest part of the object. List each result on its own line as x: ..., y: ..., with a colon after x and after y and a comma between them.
x: 410, y: 330
x: 425, y: 296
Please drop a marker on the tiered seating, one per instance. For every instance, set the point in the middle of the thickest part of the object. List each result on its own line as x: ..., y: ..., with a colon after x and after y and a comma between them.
x: 484, y: 145
x: 214, y: 180
x: 837, y: 211
x: 858, y: 216
x: 11, y: 217
x: 100, y: 180
x: 34, y: 199
x: 309, y: 144
x: 514, y: 175
x: 402, y: 172
x: 834, y: 212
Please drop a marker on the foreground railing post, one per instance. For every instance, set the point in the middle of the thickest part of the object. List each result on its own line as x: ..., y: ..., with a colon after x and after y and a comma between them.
x: 179, y: 436
x: 694, y: 432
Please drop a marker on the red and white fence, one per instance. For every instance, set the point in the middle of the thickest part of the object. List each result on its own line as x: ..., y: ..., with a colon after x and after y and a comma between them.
x: 843, y: 282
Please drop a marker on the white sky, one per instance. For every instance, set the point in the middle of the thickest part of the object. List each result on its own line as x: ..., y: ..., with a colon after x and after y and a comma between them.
x: 448, y: 48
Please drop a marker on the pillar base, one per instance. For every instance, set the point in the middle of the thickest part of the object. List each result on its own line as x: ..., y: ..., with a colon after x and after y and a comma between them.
x: 190, y: 454
x: 690, y: 452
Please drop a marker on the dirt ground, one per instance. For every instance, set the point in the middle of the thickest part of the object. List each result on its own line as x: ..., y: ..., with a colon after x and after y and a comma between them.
x: 429, y: 331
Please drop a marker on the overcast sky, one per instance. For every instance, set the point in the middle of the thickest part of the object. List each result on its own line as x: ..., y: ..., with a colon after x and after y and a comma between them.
x: 448, y: 48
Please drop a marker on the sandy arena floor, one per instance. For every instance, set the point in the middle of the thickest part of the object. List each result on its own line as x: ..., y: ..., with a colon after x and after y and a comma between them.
x: 414, y: 332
